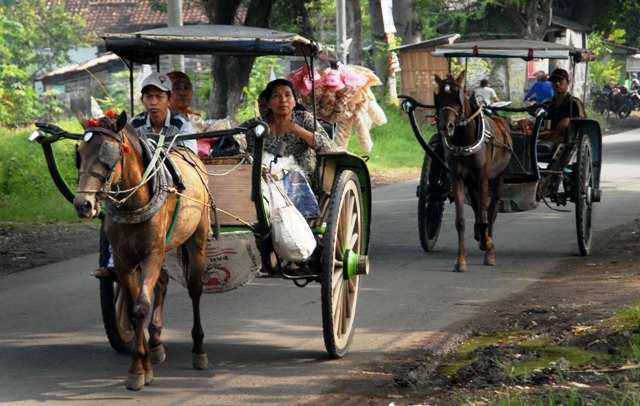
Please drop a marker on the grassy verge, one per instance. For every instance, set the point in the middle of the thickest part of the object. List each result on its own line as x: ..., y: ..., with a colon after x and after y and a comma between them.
x: 395, y: 148
x: 27, y: 193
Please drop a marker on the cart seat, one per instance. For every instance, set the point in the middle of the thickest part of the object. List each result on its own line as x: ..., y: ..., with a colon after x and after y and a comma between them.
x: 545, y: 150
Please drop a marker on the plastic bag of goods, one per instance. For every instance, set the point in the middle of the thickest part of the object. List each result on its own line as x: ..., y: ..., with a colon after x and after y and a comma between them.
x: 292, y: 237
x: 232, y: 261
x: 299, y: 191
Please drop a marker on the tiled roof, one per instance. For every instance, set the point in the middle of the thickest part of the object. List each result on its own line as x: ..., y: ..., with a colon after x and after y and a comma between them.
x: 104, y: 16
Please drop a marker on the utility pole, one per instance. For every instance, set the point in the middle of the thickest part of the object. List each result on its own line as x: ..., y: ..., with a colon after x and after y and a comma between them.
x: 174, y: 13
x: 341, y: 30
x: 392, y: 62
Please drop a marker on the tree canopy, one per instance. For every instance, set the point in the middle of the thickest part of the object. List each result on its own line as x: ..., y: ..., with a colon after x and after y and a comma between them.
x: 35, y: 35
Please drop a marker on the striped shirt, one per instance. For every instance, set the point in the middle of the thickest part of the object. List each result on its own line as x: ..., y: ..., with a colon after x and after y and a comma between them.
x: 173, y: 124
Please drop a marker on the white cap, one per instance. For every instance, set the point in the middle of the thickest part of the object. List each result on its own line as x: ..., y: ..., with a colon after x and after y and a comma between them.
x: 159, y: 80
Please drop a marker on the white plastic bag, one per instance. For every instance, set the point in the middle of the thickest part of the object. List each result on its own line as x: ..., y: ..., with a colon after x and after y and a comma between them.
x: 292, y: 237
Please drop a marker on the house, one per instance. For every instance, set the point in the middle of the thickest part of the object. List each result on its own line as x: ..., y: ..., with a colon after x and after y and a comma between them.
x: 95, y: 73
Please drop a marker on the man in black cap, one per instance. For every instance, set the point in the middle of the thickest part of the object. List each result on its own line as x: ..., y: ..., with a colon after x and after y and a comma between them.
x: 563, y: 107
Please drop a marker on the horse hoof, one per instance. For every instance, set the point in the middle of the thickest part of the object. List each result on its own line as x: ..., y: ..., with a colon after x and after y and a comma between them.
x: 460, y: 267
x: 490, y: 260
x: 157, y: 354
x: 148, y: 377
x: 135, y: 381
x: 200, y: 361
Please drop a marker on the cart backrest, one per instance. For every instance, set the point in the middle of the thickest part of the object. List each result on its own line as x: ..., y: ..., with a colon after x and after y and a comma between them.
x: 230, y: 186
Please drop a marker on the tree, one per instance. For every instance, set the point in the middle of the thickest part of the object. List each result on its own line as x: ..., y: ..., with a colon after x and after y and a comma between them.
x: 407, y: 21
x: 35, y: 35
x: 230, y: 73
x: 354, y: 27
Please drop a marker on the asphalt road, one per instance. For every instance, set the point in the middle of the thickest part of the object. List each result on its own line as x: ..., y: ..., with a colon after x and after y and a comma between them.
x: 265, y: 340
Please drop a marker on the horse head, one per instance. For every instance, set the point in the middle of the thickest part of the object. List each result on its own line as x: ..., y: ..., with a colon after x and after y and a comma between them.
x: 450, y: 103
x: 103, y: 147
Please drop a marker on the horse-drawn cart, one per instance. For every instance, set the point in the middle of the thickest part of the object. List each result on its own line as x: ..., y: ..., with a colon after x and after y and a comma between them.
x: 236, y: 185
x: 570, y: 173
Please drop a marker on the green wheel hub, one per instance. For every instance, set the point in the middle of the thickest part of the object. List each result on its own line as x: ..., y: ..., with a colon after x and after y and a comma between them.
x: 354, y: 264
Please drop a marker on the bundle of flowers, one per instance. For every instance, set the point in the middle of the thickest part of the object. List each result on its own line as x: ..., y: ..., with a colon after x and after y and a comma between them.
x: 343, y: 96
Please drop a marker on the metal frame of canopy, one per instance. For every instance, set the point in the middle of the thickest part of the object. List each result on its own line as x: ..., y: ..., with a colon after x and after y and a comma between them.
x: 147, y: 46
x: 512, y: 48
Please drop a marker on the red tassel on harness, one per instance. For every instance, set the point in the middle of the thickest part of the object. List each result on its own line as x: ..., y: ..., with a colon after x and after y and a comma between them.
x: 93, y: 122
x: 111, y: 114
x: 126, y: 149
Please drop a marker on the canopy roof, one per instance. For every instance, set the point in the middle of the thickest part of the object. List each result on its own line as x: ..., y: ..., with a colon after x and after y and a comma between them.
x: 146, y: 46
x: 509, y: 48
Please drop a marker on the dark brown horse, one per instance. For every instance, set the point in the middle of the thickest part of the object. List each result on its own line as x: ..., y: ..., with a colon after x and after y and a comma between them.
x: 478, y: 149
x: 142, y: 225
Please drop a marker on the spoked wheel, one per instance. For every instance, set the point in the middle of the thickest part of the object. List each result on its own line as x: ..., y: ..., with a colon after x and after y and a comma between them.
x: 584, y: 204
x: 430, y: 206
x: 343, y: 260
x: 115, y: 317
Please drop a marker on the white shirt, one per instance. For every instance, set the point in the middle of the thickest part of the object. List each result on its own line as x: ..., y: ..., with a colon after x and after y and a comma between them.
x: 486, y: 94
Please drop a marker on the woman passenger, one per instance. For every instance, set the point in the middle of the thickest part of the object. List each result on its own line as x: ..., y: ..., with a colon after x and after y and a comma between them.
x: 292, y: 130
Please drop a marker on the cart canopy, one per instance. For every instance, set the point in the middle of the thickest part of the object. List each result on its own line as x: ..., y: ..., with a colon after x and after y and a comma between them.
x: 510, y: 48
x: 146, y: 46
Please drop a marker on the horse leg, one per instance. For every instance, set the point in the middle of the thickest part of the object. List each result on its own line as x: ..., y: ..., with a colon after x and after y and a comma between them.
x: 157, y: 351
x: 196, y: 248
x: 150, y: 272
x: 496, y: 191
x: 474, y: 198
x: 458, y: 194
x: 483, y: 192
x: 136, y: 378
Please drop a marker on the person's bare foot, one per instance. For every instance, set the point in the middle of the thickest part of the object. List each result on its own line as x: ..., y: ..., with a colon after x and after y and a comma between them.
x: 103, y: 272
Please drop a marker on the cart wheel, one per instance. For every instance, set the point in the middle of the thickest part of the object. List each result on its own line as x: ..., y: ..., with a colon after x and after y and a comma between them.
x: 430, y: 209
x: 342, y: 250
x: 584, y: 206
x: 115, y: 316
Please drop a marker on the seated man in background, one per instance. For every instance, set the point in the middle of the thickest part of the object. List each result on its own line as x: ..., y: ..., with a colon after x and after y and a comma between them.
x: 181, y: 102
x: 542, y: 89
x: 485, y: 93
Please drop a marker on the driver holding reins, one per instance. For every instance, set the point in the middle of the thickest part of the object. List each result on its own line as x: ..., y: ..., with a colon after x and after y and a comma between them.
x: 562, y: 109
x: 156, y: 119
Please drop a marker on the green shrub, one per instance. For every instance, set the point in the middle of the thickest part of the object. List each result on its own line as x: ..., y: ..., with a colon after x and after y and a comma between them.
x: 27, y: 193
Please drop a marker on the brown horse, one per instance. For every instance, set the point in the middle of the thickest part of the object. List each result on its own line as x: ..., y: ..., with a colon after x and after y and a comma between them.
x: 111, y: 167
x: 478, y: 149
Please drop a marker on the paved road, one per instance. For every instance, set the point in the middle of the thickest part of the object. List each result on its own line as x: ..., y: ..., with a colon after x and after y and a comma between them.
x: 264, y: 340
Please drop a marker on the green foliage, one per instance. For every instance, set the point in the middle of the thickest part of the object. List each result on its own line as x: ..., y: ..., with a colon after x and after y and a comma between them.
x: 257, y: 82
x: 394, y: 145
x: 35, y: 35
x: 605, y: 67
x: 27, y: 193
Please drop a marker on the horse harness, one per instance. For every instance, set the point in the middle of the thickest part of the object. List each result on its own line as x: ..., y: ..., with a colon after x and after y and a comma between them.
x: 160, y: 178
x: 485, y: 134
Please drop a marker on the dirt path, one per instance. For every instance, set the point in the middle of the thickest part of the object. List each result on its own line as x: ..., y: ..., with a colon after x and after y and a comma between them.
x: 24, y: 246
x: 565, y: 315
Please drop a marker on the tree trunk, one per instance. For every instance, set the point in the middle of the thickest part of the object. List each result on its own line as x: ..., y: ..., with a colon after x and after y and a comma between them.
x: 405, y: 16
x: 354, y: 26
x: 379, y: 41
x: 231, y: 74
x: 534, y: 17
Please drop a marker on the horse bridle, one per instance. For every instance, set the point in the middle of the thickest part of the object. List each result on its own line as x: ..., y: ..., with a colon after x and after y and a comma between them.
x: 108, y: 154
x: 462, y: 122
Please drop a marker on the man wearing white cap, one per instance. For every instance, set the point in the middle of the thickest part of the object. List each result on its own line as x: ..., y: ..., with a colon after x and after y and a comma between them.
x: 158, y: 118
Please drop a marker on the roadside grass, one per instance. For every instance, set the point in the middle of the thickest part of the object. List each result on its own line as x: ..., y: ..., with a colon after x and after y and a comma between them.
x: 27, y: 193
x: 547, y: 352
x: 394, y: 145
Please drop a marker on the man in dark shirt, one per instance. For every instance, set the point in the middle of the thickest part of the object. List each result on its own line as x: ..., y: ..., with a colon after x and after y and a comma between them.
x: 563, y: 107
